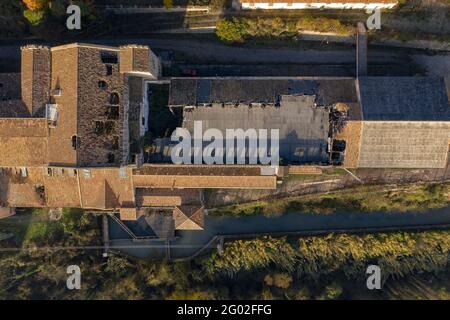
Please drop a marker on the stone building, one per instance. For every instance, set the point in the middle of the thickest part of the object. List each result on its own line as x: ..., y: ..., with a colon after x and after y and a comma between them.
x: 68, y: 119
x: 66, y: 122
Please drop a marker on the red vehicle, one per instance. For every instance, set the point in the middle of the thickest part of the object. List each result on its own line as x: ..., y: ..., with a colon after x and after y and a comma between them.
x: 189, y: 72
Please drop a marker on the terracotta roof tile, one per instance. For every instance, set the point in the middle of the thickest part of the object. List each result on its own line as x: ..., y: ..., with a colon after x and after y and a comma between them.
x: 188, y: 218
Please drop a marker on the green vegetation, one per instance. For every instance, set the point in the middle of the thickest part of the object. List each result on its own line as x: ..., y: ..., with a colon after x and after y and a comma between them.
x: 398, y: 254
x: 361, y: 199
x: 168, y: 4
x: 45, y: 19
x: 240, y: 29
x: 415, y: 265
x: 343, y: 256
x: 34, y: 17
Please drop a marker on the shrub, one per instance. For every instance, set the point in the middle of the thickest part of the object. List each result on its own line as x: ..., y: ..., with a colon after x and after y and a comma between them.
x: 34, y: 17
x: 231, y: 30
x: 168, y: 4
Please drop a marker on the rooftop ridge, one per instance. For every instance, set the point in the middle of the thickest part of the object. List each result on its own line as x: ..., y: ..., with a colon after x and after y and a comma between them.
x: 34, y: 47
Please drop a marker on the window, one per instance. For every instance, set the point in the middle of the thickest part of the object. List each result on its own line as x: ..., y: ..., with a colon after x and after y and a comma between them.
x: 51, y: 112
x: 23, y: 172
x: 114, y: 98
x: 74, y: 142
x: 113, y: 112
x: 299, y: 152
x: 111, y: 158
x: 115, y: 144
x: 109, y: 57
x: 108, y: 70
x: 87, y: 173
x: 143, y: 121
x: 102, y: 85
x: 99, y: 127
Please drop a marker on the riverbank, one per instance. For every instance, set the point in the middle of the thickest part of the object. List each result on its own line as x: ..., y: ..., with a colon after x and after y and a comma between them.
x: 362, y: 198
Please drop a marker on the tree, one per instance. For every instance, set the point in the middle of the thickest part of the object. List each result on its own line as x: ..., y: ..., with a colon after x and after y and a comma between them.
x: 168, y: 4
x: 36, y: 5
x: 280, y: 280
x: 231, y: 30
x: 332, y: 291
x: 34, y: 17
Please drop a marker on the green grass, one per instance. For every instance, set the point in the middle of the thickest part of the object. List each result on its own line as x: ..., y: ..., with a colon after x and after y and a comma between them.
x: 361, y: 199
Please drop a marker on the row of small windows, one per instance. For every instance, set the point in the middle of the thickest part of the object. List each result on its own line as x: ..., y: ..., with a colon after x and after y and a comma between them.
x: 55, y: 172
x: 59, y: 172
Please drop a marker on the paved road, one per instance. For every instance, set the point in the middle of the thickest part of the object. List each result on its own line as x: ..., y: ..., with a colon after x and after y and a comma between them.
x: 230, y: 54
x: 190, y: 242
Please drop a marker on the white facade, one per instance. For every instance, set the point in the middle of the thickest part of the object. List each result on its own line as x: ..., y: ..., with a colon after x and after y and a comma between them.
x: 317, y: 5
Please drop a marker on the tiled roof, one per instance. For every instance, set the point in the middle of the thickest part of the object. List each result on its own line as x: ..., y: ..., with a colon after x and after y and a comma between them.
x: 13, y: 109
x: 189, y: 218
x: 148, y: 197
x: 194, y: 91
x: 23, y: 142
x: 404, y: 99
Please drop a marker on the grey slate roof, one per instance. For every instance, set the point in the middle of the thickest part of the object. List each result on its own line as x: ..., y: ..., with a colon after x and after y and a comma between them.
x: 404, y: 99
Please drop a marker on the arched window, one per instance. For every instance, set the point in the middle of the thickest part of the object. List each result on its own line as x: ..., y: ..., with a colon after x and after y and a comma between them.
x: 114, y: 98
x: 74, y: 142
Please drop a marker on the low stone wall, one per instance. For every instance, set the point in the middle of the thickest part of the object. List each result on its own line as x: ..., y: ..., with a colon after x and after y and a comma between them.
x: 304, y: 170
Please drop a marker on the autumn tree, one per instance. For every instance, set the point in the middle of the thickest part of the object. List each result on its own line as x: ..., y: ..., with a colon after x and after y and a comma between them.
x: 35, y: 5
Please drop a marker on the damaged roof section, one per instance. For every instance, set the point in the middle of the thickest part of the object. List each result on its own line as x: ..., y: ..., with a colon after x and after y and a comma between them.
x: 192, y: 92
x: 294, y: 106
x: 303, y: 128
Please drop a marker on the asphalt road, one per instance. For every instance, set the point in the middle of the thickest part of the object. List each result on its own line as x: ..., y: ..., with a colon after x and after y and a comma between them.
x: 214, y: 51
